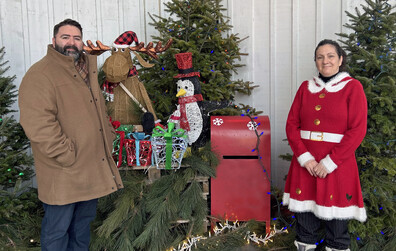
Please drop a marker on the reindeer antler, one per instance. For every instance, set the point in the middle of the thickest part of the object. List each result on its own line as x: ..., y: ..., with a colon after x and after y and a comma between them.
x: 150, y: 50
x: 95, y: 50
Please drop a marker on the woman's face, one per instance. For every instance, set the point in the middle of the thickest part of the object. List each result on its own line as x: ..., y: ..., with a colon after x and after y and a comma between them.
x: 327, y: 60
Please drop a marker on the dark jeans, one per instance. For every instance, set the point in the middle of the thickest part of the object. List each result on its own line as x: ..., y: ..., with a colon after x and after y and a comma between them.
x: 308, y: 226
x: 67, y: 227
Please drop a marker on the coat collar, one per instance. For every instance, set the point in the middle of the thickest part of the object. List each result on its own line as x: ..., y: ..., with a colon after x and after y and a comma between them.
x: 62, y: 59
x: 335, y: 84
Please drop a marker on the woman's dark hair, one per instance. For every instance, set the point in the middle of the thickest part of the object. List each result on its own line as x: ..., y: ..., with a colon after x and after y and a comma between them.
x: 67, y: 22
x: 339, y: 51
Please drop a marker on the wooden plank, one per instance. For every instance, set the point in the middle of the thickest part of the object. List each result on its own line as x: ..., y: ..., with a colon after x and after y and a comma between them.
x: 282, y: 86
x: 306, y: 42
x: 331, y: 19
x: 152, y: 7
x: 60, y: 11
x: 241, y: 14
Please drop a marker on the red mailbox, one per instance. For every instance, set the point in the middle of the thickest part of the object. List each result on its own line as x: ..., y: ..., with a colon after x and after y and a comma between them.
x: 241, y: 189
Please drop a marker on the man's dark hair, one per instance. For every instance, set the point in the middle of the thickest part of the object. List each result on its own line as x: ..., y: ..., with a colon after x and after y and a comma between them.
x: 67, y: 22
x: 339, y: 50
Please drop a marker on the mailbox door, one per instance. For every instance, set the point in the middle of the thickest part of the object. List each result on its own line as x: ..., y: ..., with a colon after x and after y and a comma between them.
x: 241, y: 188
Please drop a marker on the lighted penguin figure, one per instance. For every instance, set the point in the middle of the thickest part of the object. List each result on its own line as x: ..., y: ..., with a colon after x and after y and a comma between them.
x: 188, y: 115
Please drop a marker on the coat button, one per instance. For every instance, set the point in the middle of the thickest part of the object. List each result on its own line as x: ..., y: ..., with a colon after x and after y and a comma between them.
x: 318, y: 107
x: 103, y: 159
x: 322, y: 95
x: 100, y: 129
x: 316, y: 121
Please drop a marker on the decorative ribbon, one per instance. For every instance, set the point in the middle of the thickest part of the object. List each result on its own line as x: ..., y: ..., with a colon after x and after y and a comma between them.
x: 121, y: 130
x: 115, y: 123
x: 183, y: 115
x: 120, y: 139
x: 168, y: 136
x: 138, y: 137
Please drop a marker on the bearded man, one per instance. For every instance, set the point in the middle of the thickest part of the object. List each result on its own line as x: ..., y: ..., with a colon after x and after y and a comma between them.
x: 63, y: 113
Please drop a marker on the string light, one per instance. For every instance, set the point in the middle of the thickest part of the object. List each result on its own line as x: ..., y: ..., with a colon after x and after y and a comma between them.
x: 221, y: 228
x: 268, y: 237
x: 188, y: 244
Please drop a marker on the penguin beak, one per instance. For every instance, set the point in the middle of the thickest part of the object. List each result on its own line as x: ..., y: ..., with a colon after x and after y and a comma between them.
x: 181, y: 92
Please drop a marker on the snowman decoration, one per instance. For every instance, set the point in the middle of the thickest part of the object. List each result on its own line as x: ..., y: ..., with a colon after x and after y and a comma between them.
x: 188, y: 115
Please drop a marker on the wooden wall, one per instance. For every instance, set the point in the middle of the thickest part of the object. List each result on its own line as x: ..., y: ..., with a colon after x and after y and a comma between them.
x: 282, y: 37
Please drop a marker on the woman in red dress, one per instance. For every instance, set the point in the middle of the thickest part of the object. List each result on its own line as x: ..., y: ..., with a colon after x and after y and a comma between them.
x: 326, y: 124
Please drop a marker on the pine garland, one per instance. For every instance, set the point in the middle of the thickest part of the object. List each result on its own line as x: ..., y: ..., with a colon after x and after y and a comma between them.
x: 146, y: 216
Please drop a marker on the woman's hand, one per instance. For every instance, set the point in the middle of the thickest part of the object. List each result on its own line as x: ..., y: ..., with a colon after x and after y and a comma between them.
x: 320, y: 170
x: 310, y: 166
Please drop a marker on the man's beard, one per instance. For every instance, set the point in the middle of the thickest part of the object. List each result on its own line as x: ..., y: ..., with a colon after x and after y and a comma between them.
x: 76, y: 54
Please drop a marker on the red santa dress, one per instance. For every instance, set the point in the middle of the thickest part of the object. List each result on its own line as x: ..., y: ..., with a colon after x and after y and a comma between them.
x: 327, y: 122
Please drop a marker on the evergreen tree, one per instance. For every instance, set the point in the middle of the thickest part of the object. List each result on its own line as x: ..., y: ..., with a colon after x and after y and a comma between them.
x: 199, y: 27
x: 19, y: 206
x: 15, y: 163
x: 371, y: 55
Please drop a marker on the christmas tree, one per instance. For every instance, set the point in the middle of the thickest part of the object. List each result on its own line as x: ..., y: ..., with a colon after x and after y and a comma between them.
x: 371, y: 59
x: 15, y: 164
x: 199, y: 27
x: 18, y: 202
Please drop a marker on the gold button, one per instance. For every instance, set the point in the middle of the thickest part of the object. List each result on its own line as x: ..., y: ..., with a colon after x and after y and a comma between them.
x: 298, y: 191
x: 318, y: 107
x: 322, y: 95
x: 331, y: 197
x: 316, y: 121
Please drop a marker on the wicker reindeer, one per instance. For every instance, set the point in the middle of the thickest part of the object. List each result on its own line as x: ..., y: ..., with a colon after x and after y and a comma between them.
x: 122, y: 82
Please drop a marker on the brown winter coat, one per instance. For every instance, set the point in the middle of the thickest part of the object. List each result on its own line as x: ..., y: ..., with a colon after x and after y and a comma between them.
x: 69, y: 130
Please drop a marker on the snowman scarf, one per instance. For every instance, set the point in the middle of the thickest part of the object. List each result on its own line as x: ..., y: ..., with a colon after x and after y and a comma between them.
x: 183, y: 115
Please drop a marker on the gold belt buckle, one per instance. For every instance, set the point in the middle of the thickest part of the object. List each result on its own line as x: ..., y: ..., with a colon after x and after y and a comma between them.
x: 316, y: 136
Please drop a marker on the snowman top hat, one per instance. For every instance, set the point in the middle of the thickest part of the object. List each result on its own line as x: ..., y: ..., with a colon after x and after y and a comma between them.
x: 184, y: 63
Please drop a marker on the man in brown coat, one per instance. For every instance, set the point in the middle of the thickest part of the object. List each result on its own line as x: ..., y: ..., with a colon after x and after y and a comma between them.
x: 63, y: 114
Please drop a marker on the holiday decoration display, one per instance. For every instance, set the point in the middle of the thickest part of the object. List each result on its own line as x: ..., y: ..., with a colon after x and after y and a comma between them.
x: 188, y: 115
x: 147, y: 215
x: 120, y: 71
x: 168, y: 146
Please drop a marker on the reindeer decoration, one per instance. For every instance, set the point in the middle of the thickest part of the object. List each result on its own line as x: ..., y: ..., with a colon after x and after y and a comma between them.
x: 120, y: 71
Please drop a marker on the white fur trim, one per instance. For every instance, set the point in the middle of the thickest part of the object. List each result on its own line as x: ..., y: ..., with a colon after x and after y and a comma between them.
x: 316, y: 84
x: 329, y: 164
x: 121, y: 45
x: 303, y: 158
x: 325, y: 213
